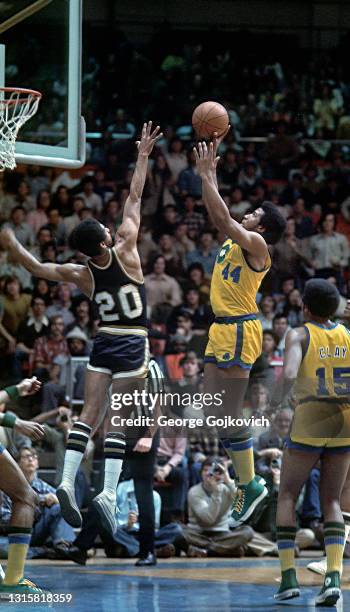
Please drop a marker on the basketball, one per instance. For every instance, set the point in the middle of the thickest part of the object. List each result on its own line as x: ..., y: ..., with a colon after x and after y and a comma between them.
x: 210, y: 117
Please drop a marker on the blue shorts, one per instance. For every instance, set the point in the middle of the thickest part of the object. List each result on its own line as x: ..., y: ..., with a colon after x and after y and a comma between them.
x: 323, y: 449
x: 120, y: 356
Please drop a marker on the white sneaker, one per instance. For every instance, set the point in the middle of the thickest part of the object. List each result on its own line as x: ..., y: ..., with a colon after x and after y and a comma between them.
x: 69, y: 507
x: 107, y: 512
x: 320, y: 567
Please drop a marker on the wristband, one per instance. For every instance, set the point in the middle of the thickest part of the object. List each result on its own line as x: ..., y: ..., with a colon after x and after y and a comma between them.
x: 12, y: 392
x: 8, y: 420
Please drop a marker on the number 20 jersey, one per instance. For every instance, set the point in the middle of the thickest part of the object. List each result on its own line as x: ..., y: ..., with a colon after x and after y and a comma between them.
x: 121, y: 300
x: 235, y: 283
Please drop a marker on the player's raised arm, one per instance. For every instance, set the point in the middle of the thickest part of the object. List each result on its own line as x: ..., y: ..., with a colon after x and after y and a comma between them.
x: 55, y: 272
x: 250, y: 241
x: 132, y: 209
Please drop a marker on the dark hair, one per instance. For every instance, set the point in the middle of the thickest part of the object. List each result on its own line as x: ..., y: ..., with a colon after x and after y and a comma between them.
x: 195, y: 266
x: 324, y: 217
x: 321, y: 297
x: 273, y: 223
x: 9, y: 280
x: 86, y: 237
x: 270, y: 332
x: 210, y: 460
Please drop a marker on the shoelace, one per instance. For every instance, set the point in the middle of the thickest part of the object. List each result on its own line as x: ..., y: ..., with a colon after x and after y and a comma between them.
x: 239, y: 501
x: 31, y: 584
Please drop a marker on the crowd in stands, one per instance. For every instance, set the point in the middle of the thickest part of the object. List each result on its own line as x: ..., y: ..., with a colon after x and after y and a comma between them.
x: 43, y: 324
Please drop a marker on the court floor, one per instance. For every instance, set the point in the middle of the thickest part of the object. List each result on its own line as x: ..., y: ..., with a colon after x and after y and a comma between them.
x: 180, y: 585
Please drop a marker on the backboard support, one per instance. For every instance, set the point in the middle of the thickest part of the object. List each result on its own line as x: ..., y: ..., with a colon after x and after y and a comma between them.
x: 55, y: 34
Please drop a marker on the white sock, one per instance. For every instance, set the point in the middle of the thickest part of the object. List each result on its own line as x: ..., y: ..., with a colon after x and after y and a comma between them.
x: 114, y: 450
x: 76, y: 445
x: 347, y: 531
x: 113, y: 468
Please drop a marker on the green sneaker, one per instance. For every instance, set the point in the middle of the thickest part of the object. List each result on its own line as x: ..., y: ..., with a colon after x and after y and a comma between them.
x: 24, y: 586
x: 248, y: 497
x: 330, y: 592
x: 289, y: 586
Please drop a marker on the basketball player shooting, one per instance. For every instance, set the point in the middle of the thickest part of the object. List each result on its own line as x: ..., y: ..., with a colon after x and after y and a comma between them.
x: 113, y: 279
x: 235, y: 337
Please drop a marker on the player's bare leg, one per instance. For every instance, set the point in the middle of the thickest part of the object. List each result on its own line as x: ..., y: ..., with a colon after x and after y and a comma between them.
x: 14, y: 484
x: 96, y: 394
x: 320, y: 567
x: 296, y: 466
x: 114, y: 451
x: 237, y: 440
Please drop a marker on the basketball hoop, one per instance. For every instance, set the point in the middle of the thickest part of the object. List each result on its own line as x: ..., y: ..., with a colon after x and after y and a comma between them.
x: 16, y: 107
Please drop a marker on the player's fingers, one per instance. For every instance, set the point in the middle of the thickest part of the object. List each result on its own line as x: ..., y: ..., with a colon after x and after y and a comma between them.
x: 205, y: 148
x: 158, y: 137
x: 149, y: 128
x: 155, y: 131
x: 137, y: 143
x: 200, y: 150
x: 144, y: 130
x: 196, y: 154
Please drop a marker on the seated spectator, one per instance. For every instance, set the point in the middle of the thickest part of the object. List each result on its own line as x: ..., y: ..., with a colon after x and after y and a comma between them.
x: 92, y: 200
x: 48, y: 347
x: 329, y: 250
x: 85, y: 316
x: 35, y: 326
x: 173, y: 263
x: 287, y: 284
x: 205, y: 253
x: 21, y: 228
x: 38, y: 217
x: 49, y: 524
x: 249, y: 177
x: 189, y: 181
x: 62, y: 304
x: 15, y: 305
x: 288, y: 254
x: 267, y: 307
x: 281, y: 151
x: 42, y: 288
x: 161, y: 288
x: 61, y: 200
x: 200, y: 314
x: 159, y: 186
x: 57, y: 227
x: 293, y: 309
x: 258, y: 406
x: 195, y: 273
x: 74, y: 219
x: 176, y: 158
x: 304, y: 227
x: 168, y: 222
x: 43, y: 237
x: 194, y: 217
x: 238, y: 205
x: 111, y: 215
x: 209, y: 508
x: 228, y: 170
x: 270, y: 444
x: 145, y: 245
x: 21, y: 198
x: 183, y: 244
x: 281, y: 328
x: 295, y: 191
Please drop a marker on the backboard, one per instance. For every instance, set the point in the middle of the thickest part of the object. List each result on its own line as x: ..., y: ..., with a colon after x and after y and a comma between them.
x: 41, y: 48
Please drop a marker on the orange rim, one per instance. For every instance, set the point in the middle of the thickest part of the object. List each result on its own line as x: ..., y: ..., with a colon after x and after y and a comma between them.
x: 20, y: 90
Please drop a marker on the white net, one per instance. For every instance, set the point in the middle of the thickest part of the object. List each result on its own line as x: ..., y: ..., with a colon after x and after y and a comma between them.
x: 16, y: 107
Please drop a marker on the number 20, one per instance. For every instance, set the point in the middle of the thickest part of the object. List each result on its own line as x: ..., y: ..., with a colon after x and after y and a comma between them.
x: 106, y: 303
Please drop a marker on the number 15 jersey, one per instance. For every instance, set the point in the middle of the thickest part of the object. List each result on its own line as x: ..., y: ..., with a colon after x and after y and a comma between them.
x: 235, y: 283
x: 121, y: 299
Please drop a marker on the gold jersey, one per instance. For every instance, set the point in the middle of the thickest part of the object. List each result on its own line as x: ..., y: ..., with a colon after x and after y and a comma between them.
x: 235, y: 283
x: 325, y: 370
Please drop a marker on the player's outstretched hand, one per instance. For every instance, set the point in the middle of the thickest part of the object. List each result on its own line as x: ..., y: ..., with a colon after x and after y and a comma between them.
x: 206, y: 160
x: 7, y: 239
x: 28, y: 386
x: 217, y: 140
x: 33, y: 430
x: 148, y: 139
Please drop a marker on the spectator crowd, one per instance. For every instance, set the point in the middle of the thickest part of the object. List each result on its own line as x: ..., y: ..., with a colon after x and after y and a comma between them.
x: 44, y: 325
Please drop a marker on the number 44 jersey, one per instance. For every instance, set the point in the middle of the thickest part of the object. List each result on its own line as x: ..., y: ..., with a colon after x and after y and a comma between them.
x: 121, y: 299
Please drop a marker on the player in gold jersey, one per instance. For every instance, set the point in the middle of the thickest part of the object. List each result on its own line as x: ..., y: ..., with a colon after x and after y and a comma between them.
x: 235, y: 337
x: 317, y: 364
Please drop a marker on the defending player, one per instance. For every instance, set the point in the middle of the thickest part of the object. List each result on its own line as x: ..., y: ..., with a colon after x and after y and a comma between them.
x: 14, y: 484
x: 317, y: 359
x: 120, y: 355
x: 235, y: 338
